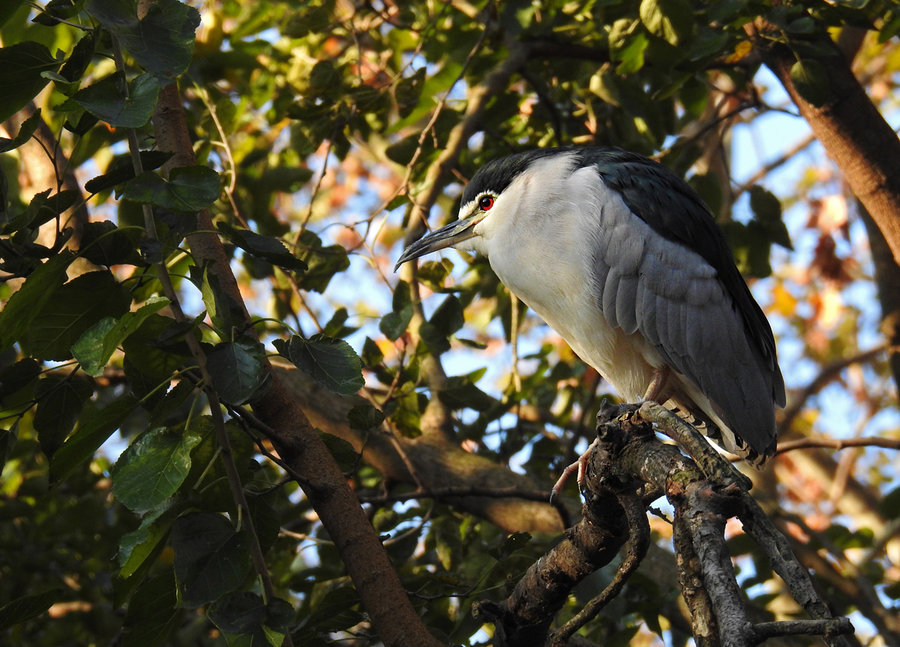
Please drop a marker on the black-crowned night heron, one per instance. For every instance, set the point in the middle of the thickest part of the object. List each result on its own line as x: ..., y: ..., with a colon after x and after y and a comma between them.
x: 623, y: 259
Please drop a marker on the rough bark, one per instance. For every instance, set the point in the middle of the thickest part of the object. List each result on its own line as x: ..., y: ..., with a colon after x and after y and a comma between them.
x: 628, y: 455
x: 887, y: 278
x: 440, y: 466
x: 383, y: 596
x: 849, y: 126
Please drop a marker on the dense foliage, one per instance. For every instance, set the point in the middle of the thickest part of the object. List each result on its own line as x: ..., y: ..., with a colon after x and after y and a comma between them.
x: 142, y: 500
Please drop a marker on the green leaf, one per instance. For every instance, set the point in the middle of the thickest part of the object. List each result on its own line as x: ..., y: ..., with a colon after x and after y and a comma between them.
x: 226, y: 313
x: 76, y: 306
x: 25, y: 304
x: 211, y: 559
x: 97, y: 344
x: 60, y: 400
x: 153, y: 468
x: 267, y: 248
x: 322, y: 262
x: 27, y: 607
x: 153, y: 353
x: 16, y: 377
x: 137, y: 546
x: 54, y: 11
x: 335, y: 327
x: 189, y: 188
x: 8, y: 9
x: 767, y: 210
x: 152, y: 613
x: 77, y: 63
x: 461, y: 393
x: 42, y: 208
x: 394, y: 324
x: 162, y: 42
x: 122, y: 169
x: 25, y: 132
x: 94, y: 427
x: 240, y: 612
x: 335, y: 611
x: 102, y: 243
x: 109, y: 100
x: 331, y: 362
x: 811, y: 81
x: 671, y: 20
x: 631, y: 54
x: 21, y: 75
x: 371, y: 353
x: 363, y: 417
x: 238, y: 369
x: 342, y: 451
x: 246, y: 614
x: 448, y: 318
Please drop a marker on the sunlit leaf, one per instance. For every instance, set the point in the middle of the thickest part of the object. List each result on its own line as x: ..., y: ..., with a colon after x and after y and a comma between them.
x: 153, y: 468
x: 668, y: 19
x: 137, y: 546
x: 95, y: 346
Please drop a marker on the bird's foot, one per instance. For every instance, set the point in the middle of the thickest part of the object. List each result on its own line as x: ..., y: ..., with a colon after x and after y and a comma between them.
x: 579, y: 466
x: 606, y: 415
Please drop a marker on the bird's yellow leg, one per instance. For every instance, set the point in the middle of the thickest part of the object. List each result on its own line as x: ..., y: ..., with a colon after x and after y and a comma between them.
x: 657, y: 386
x: 580, y: 466
x: 655, y: 393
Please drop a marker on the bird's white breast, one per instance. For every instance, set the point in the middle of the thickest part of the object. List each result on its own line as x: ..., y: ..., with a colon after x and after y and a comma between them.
x: 540, y: 241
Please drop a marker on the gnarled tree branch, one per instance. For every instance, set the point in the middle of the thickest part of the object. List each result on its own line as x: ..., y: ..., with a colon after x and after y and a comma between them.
x: 628, y: 454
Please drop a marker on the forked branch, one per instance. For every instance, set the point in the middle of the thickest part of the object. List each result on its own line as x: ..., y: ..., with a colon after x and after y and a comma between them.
x: 629, y: 458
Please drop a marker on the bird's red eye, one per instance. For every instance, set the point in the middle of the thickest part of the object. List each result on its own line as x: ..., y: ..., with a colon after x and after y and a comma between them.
x: 486, y: 202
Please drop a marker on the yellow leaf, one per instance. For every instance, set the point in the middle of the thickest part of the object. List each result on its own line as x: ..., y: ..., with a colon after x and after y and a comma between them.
x: 784, y: 303
x: 743, y: 48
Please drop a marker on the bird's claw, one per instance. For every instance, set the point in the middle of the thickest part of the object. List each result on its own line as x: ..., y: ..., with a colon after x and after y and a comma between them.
x: 579, y: 466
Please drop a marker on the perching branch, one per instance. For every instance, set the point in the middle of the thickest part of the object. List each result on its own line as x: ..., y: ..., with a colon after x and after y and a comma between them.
x: 638, y: 542
x: 627, y: 455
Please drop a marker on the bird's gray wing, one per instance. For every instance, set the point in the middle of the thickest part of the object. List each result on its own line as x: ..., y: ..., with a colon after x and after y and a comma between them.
x: 673, y: 210
x: 672, y: 296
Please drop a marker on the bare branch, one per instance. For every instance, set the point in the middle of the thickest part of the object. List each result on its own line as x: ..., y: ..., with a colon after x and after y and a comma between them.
x: 638, y: 541
x: 628, y: 453
x: 836, y: 443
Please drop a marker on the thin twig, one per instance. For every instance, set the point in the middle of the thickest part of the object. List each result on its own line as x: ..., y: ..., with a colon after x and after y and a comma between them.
x: 836, y: 444
x: 636, y: 549
x: 199, y: 358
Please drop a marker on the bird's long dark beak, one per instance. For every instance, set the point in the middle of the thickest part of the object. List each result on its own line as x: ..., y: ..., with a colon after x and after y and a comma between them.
x: 447, y: 236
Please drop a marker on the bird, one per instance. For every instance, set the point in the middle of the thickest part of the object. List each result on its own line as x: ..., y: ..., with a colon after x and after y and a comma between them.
x: 624, y: 260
